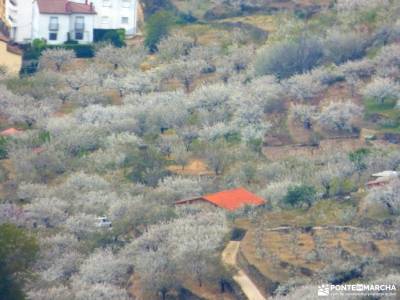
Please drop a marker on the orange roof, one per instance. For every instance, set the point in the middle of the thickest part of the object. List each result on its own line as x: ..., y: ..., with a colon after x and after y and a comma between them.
x: 234, y: 199
x: 10, y: 132
x: 380, y: 181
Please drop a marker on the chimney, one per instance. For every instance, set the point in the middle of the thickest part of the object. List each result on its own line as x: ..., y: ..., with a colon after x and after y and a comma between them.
x: 91, y: 6
x: 86, y: 2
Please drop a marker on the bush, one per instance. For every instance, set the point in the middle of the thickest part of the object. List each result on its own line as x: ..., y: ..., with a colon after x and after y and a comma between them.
x: 148, y: 165
x: 18, y: 251
x: 157, y: 27
x: 289, y: 57
x: 116, y: 37
x: 81, y: 50
x: 299, y: 195
x: 34, y: 50
x: 3, y: 147
x: 340, y: 47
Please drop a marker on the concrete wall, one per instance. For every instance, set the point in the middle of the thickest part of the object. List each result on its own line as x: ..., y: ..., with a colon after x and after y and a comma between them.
x: 3, y: 10
x: 12, y: 61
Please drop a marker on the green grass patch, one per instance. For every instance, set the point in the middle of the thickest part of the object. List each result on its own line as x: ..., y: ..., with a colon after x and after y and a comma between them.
x: 388, y: 114
x: 372, y: 106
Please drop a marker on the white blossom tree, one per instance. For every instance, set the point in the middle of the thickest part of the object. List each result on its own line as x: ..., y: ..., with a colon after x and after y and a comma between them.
x: 386, y: 198
x: 340, y: 116
x: 382, y: 90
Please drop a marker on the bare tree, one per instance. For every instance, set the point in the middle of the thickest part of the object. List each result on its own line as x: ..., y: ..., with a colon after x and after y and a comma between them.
x: 56, y: 58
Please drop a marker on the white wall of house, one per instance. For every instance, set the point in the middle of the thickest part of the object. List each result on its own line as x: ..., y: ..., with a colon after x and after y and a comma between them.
x: 115, y: 14
x: 66, y: 27
x: 88, y: 27
x: 19, y: 14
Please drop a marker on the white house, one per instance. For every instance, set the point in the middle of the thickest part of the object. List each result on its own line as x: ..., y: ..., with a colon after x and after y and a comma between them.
x: 60, y: 20
x: 116, y: 14
x: 19, y: 16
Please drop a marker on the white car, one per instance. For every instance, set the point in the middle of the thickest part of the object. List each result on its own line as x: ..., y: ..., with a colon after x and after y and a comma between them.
x: 103, y: 222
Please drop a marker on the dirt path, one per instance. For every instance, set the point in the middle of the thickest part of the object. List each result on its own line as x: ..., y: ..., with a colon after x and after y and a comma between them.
x: 229, y: 256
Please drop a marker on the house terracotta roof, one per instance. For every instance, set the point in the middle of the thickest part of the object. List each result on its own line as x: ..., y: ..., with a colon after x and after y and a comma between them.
x: 230, y: 199
x: 234, y: 199
x: 10, y: 132
x: 64, y: 7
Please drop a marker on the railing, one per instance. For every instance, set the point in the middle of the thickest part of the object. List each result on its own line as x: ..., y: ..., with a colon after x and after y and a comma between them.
x: 13, y: 2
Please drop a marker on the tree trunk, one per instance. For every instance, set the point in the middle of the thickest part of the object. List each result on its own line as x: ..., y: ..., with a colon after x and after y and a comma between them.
x: 199, y: 281
x: 222, y: 286
x: 163, y: 295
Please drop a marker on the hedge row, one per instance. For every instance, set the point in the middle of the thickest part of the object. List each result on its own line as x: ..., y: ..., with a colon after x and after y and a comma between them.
x: 81, y: 50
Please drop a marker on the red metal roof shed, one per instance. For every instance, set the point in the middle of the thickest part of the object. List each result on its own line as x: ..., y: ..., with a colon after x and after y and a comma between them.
x: 229, y: 199
x: 10, y: 132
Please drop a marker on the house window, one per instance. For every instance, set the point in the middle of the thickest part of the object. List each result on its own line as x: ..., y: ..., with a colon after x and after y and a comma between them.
x: 53, y: 24
x: 126, y: 3
x: 125, y: 20
x: 78, y: 35
x: 104, y: 20
x: 107, y: 3
x: 79, y: 24
x: 53, y: 36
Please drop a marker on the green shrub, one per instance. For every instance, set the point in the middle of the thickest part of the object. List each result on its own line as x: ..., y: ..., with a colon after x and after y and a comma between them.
x: 71, y: 42
x: 148, y: 165
x: 18, y: 252
x: 115, y: 37
x: 287, y: 58
x: 299, y: 195
x: 3, y: 147
x: 81, y: 50
x: 342, y: 186
x: 186, y: 18
x: 340, y: 47
x: 157, y: 27
x: 358, y: 158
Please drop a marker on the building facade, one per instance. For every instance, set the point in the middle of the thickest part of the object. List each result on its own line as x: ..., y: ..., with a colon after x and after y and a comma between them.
x: 60, y: 20
x: 19, y: 18
x: 4, y: 24
x: 10, y: 56
x: 3, y: 10
x: 116, y: 14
